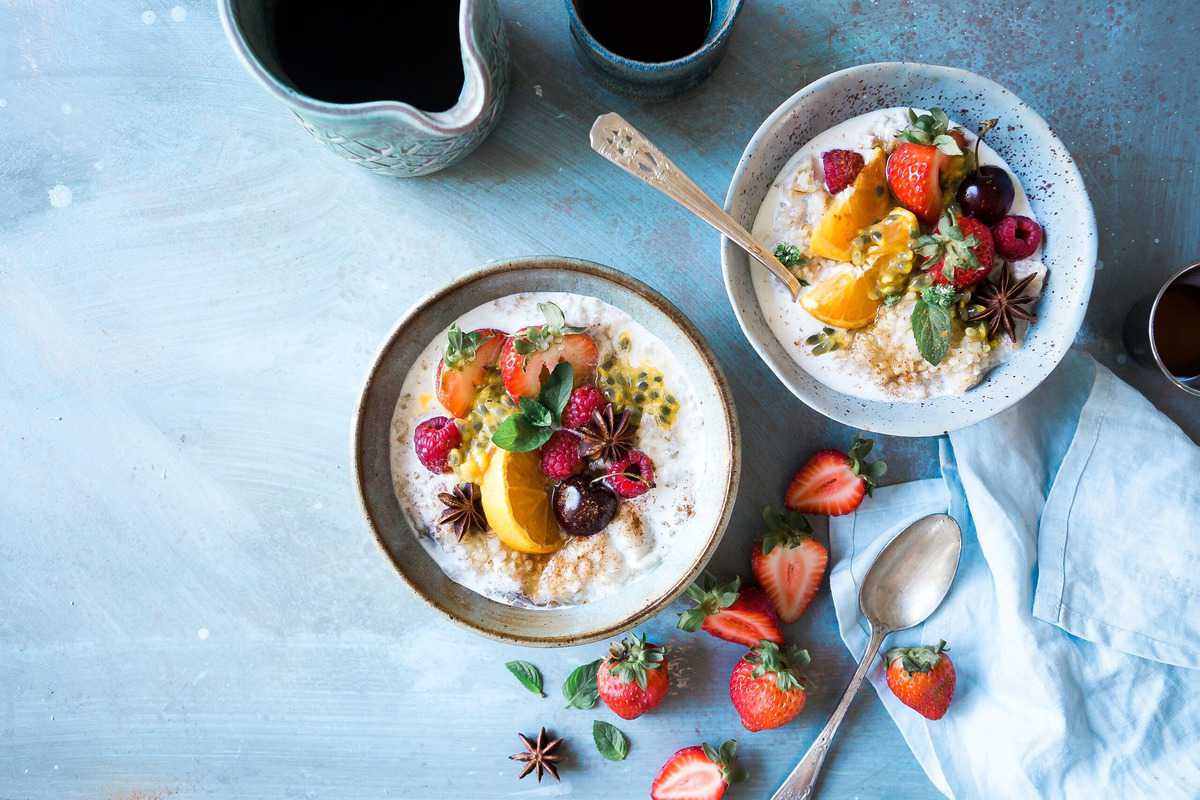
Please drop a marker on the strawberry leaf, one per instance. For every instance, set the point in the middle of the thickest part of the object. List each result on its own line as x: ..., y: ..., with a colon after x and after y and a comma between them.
x: 460, y: 347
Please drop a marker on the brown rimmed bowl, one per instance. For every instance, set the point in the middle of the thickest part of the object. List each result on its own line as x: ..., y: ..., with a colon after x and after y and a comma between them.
x: 640, y: 598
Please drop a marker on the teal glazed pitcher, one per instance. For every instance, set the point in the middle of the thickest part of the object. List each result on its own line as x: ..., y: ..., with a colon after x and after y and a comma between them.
x: 385, y: 135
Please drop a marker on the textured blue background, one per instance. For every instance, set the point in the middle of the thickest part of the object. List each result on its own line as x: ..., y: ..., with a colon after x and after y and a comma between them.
x: 191, y: 291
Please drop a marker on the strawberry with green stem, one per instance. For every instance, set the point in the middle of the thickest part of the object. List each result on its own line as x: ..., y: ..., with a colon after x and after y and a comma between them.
x: 788, y: 563
x: 533, y: 352
x: 834, y: 483
x: 922, y: 678
x: 700, y: 772
x: 732, y: 612
x: 633, y: 678
x: 464, y: 366
x: 767, y: 687
x: 923, y: 171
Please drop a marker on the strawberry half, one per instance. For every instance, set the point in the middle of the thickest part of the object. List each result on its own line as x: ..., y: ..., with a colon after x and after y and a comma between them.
x: 464, y: 365
x: 732, y: 612
x: 922, y: 678
x: 834, y: 483
x: 699, y: 772
x: 766, y: 686
x: 788, y: 563
x: 633, y: 677
x: 533, y: 353
x: 924, y: 169
x: 960, y: 252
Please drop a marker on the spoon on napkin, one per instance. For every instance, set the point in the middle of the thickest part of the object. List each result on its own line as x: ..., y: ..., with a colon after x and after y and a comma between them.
x: 906, y: 584
x: 624, y: 145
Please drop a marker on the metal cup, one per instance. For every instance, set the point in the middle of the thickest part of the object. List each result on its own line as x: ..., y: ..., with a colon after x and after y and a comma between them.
x: 1139, y: 333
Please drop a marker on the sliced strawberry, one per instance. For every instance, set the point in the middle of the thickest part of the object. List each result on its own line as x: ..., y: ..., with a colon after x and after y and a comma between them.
x: 834, y: 483
x: 788, y: 563
x: 914, y: 175
x: 732, y: 612
x: 463, y: 368
x: 523, y: 373
x: 699, y: 772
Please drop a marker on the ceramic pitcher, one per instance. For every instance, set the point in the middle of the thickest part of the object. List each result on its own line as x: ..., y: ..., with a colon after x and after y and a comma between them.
x: 387, y: 136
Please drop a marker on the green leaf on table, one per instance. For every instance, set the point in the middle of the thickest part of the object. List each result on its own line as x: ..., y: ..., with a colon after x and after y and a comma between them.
x: 519, y: 436
x: 579, y: 688
x: 529, y: 676
x: 611, y: 743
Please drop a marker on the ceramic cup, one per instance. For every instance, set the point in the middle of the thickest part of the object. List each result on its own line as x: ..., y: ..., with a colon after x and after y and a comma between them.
x: 387, y: 136
x: 654, y: 80
x: 1144, y: 330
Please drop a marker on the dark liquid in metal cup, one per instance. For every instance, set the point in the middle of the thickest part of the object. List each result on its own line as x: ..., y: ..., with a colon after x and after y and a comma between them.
x: 1177, y: 330
x: 652, y: 31
x: 371, y: 50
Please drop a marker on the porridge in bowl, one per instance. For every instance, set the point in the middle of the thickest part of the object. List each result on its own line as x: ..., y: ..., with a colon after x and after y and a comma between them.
x: 917, y: 250
x: 542, y: 447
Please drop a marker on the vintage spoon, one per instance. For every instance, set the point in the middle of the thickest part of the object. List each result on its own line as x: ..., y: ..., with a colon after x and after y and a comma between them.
x: 906, y: 584
x: 622, y: 144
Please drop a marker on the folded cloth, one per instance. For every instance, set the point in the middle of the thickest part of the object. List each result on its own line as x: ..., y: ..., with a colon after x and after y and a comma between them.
x: 1074, y: 620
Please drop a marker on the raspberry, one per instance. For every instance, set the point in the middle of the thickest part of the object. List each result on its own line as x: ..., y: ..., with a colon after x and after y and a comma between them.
x: 1016, y: 237
x: 560, y: 456
x: 633, y: 475
x: 433, y: 440
x: 841, y: 168
x: 583, y: 402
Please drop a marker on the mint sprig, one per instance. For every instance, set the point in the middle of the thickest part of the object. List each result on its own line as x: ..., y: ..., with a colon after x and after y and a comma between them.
x: 460, y: 347
x: 532, y: 426
x: 931, y: 322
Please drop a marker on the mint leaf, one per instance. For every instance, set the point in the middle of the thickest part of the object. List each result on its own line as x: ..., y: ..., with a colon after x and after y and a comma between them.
x: 789, y: 255
x: 535, y: 413
x: 528, y: 675
x: 579, y: 688
x: 611, y: 743
x: 460, y: 347
x: 931, y: 330
x: 517, y: 435
x: 556, y: 391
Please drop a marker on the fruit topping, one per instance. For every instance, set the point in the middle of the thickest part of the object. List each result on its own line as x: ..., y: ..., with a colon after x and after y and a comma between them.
x: 632, y: 476
x: 633, y: 677
x: 986, y: 192
x: 640, y: 389
x: 464, y: 366
x: 766, y: 686
x: 516, y: 505
x: 433, y: 440
x: 922, y: 678
x: 933, y: 129
x: 732, y: 612
x: 560, y: 456
x: 788, y: 563
x: 825, y: 341
x: 533, y: 425
x: 847, y: 299
x: 583, y: 402
x: 1001, y: 302
x: 960, y: 252
x: 533, y: 352
x: 851, y: 211
x: 1017, y: 237
x: 887, y: 248
x: 582, y: 506
x: 463, y: 510
x: 699, y: 772
x: 789, y: 255
x: 834, y: 483
x: 914, y: 175
x: 841, y: 168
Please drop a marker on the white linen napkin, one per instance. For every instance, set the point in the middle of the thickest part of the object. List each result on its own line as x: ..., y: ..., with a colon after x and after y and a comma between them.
x: 1074, y: 620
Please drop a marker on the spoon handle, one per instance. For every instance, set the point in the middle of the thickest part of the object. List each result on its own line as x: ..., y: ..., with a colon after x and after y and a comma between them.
x: 801, y: 784
x: 624, y: 145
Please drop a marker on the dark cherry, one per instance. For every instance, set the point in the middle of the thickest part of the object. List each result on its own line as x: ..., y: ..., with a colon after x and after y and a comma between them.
x: 583, y: 507
x: 986, y: 194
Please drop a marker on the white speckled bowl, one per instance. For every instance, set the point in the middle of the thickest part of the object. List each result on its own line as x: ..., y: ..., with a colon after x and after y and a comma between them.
x: 641, y: 597
x: 1042, y: 164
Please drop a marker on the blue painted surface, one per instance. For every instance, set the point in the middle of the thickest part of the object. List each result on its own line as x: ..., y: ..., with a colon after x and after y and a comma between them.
x: 190, y: 294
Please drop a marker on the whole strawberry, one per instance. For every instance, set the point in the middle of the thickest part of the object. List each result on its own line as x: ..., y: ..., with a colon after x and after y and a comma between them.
x: 922, y: 678
x: 699, y: 772
x: 766, y: 686
x: 834, y: 483
x: 960, y: 252
x: 788, y: 563
x: 633, y: 677
x: 732, y: 612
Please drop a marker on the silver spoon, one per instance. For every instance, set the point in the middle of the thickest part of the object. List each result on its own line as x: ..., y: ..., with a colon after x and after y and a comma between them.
x: 906, y: 584
x: 624, y: 145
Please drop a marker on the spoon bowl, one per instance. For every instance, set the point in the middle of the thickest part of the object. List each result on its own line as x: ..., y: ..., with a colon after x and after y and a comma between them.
x: 912, y: 574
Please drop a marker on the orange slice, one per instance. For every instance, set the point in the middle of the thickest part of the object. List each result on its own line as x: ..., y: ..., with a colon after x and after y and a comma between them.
x: 863, y: 203
x: 844, y: 300
x: 517, y: 505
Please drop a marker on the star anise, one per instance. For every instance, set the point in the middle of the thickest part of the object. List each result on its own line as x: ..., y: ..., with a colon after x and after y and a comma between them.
x: 1004, y: 302
x: 463, y: 510
x: 539, y: 756
x: 609, y: 435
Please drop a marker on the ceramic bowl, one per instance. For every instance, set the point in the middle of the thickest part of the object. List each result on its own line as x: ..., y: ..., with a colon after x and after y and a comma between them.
x: 654, y: 80
x: 642, y: 597
x: 1044, y: 168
